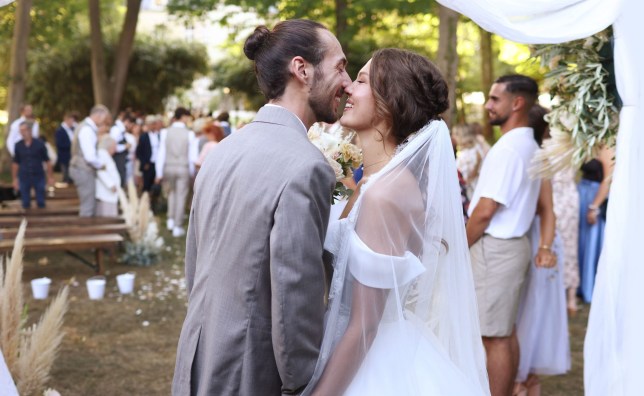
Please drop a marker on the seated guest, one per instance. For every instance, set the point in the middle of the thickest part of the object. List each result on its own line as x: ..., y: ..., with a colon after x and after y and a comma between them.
x: 27, y: 169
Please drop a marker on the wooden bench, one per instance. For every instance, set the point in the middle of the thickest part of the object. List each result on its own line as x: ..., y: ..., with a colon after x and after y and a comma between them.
x: 70, y: 244
x: 64, y: 221
x: 48, y: 211
x: 17, y: 204
x: 44, y: 231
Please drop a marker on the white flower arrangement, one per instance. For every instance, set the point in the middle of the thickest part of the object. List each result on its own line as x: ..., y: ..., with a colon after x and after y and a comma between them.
x: 586, y: 114
x: 335, y: 144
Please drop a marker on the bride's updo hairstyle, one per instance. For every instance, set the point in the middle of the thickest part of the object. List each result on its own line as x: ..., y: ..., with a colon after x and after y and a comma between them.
x: 408, y: 89
x: 273, y: 50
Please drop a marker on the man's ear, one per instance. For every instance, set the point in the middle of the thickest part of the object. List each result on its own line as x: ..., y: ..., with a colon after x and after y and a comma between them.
x: 518, y: 103
x: 299, y: 69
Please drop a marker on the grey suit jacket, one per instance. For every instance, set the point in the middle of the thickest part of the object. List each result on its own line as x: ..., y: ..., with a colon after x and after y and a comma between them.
x: 254, y: 268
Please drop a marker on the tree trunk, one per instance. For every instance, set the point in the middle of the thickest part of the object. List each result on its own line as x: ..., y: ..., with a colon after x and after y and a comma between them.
x: 123, y: 53
x: 18, y: 67
x: 447, y: 57
x: 341, y: 24
x: 487, y: 75
x: 99, y: 74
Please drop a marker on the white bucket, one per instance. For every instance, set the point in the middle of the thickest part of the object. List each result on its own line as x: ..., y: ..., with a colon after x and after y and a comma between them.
x: 96, y: 287
x: 126, y: 282
x: 40, y: 288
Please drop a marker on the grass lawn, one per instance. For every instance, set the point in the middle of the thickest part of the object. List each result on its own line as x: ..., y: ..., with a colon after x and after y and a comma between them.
x: 126, y: 345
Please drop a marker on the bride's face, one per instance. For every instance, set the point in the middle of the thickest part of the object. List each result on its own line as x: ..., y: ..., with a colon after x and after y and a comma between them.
x: 360, y: 108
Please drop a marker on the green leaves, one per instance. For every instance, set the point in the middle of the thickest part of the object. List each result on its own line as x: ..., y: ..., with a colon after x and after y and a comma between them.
x: 581, y: 85
x: 60, y: 79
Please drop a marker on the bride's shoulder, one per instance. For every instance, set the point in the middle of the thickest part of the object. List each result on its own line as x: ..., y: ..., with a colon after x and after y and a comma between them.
x: 398, y: 190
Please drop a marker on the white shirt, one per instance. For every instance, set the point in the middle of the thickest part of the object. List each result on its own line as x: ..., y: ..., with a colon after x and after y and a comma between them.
x: 155, y: 139
x: 69, y: 130
x: 87, y: 139
x: 15, y: 136
x: 131, y: 139
x: 193, y: 150
x: 504, y: 179
x: 117, y: 132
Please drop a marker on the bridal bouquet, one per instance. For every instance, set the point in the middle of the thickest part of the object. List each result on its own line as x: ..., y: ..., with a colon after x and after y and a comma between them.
x: 343, y: 156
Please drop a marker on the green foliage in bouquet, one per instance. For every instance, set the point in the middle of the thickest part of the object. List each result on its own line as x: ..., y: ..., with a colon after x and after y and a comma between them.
x: 586, y: 111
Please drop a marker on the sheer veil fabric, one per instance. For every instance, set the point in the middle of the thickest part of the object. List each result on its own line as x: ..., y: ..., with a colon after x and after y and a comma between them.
x: 405, y: 236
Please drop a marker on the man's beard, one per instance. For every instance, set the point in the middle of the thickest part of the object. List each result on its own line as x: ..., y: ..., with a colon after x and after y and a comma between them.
x: 499, y: 120
x: 319, y: 101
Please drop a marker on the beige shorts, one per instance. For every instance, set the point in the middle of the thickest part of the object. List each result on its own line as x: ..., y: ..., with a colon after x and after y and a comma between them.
x: 500, y: 267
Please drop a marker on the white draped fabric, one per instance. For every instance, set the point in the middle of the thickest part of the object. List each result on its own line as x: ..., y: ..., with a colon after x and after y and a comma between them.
x: 614, y: 346
x: 7, y: 387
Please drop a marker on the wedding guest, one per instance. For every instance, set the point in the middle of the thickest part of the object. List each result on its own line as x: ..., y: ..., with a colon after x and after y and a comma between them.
x: 85, y: 161
x: 542, y: 325
x: 224, y: 122
x: 214, y: 134
x: 197, y: 127
x: 593, y: 194
x: 501, y: 211
x: 14, y: 136
x: 566, y: 206
x: 175, y: 166
x: 108, y: 180
x: 147, y: 151
x: 132, y: 138
x: 30, y: 158
x: 123, y: 124
x: 470, y: 152
x: 63, y: 136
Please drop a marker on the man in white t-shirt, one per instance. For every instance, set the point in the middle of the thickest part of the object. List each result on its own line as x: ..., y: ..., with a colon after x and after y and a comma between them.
x: 26, y: 114
x: 501, y: 211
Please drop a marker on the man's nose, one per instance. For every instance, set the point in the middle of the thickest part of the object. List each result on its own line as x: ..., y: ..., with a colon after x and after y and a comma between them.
x: 346, y: 80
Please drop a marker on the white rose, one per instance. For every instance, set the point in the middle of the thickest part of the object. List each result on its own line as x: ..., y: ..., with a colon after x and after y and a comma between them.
x: 337, y: 169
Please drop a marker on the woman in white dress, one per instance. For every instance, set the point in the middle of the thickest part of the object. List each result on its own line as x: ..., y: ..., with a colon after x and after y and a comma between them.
x: 402, y: 316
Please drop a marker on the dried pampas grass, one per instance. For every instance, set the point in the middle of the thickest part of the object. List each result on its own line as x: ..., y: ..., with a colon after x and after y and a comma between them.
x: 39, y: 347
x: 29, y: 353
x: 136, y: 212
x: 11, y: 303
x: 556, y: 155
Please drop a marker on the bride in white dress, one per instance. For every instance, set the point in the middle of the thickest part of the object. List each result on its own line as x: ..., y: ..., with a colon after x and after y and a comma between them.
x: 402, y: 316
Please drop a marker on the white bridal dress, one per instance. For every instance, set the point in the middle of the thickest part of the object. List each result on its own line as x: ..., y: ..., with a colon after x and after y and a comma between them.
x: 614, y: 346
x: 405, y: 238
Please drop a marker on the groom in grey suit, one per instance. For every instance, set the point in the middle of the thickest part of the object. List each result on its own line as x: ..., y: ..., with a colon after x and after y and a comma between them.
x: 254, y: 267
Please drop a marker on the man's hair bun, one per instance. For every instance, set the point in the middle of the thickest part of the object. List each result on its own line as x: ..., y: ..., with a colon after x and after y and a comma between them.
x: 256, y: 41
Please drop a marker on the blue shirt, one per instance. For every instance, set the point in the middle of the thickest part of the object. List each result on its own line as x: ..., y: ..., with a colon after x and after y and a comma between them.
x: 30, y: 159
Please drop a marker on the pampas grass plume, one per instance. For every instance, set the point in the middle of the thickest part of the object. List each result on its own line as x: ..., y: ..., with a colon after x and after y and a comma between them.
x: 11, y: 303
x: 38, y: 352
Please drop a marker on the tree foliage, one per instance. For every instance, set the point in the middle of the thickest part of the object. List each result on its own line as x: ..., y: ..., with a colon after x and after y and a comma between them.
x: 61, y: 78
x: 54, y: 25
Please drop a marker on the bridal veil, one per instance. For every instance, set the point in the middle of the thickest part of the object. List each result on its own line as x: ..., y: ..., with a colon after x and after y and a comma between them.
x: 405, y: 237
